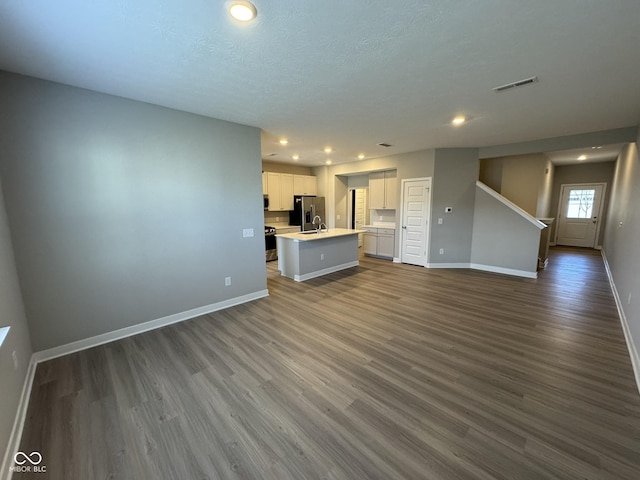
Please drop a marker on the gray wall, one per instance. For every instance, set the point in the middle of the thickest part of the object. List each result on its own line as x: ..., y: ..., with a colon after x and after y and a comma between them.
x: 341, y: 207
x: 522, y: 179
x: 358, y: 181
x: 502, y: 237
x: 601, y: 172
x: 491, y: 173
x: 622, y: 236
x: 526, y: 180
x: 454, y: 185
x: 543, y: 209
x: 123, y: 212
x: 11, y: 314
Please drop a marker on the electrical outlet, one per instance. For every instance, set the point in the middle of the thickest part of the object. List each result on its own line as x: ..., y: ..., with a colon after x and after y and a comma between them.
x: 442, y: 251
x: 14, y: 356
x: 439, y: 221
x: 629, y: 299
x: 247, y: 232
x: 227, y: 281
x: 322, y: 256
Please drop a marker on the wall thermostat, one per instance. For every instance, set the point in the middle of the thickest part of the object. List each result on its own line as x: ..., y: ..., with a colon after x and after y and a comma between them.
x: 448, y: 209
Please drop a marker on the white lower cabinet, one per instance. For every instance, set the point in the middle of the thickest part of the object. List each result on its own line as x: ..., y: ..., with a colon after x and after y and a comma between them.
x: 379, y: 242
x: 370, y: 243
x: 386, y: 242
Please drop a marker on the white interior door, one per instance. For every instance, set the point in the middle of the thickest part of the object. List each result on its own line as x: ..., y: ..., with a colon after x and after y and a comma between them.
x: 416, y: 201
x: 579, y: 214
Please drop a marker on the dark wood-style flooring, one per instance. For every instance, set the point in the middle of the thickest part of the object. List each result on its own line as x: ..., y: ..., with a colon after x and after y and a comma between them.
x: 384, y: 371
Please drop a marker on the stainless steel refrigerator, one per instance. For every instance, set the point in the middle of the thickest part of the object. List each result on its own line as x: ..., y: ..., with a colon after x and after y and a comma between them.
x: 305, y: 208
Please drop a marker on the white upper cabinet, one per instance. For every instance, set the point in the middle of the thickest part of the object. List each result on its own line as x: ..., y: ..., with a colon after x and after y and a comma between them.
x: 280, y: 191
x: 286, y: 191
x: 383, y: 190
x: 304, y: 185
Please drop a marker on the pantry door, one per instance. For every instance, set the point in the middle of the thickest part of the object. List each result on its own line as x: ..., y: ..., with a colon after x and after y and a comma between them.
x: 416, y: 207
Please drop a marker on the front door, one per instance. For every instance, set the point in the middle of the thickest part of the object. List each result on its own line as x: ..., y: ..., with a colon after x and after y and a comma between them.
x: 416, y: 198
x: 579, y: 214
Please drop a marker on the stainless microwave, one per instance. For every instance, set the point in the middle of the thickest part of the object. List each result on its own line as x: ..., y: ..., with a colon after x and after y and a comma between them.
x: 266, y: 201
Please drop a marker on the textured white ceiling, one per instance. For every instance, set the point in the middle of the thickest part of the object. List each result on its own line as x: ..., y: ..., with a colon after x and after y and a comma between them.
x: 349, y: 74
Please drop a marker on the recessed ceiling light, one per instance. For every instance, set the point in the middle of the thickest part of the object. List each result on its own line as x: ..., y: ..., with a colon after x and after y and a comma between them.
x: 296, y: 157
x: 459, y: 120
x: 361, y: 156
x: 243, y: 11
x: 596, y: 148
x: 283, y: 141
x: 582, y: 157
x: 328, y: 150
x: 328, y: 161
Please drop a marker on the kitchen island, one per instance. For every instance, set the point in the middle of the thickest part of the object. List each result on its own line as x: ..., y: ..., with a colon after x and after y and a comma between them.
x: 305, y: 255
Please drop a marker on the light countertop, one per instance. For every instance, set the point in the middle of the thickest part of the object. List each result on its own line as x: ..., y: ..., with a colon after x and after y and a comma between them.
x: 324, y: 235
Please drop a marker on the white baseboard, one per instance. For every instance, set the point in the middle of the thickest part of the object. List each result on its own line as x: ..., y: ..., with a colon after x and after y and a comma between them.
x: 325, y: 271
x: 631, y: 347
x: 448, y: 265
x: 18, y: 422
x: 397, y: 260
x: 504, y: 271
x: 108, y: 337
x: 598, y: 247
x: 485, y: 268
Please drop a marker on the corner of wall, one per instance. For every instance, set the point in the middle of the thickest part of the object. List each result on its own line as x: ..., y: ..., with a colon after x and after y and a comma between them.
x: 16, y: 367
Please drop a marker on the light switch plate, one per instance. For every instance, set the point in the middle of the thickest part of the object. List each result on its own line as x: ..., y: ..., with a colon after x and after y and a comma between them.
x: 247, y: 232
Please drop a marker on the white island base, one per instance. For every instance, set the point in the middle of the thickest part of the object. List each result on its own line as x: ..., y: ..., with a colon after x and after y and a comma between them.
x: 302, y: 256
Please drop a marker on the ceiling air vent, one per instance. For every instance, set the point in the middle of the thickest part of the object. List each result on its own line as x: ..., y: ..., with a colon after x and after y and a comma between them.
x: 385, y: 145
x: 519, y: 83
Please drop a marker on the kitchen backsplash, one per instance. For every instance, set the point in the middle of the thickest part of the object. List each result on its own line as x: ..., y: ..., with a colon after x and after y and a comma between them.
x: 383, y: 216
x: 276, y: 217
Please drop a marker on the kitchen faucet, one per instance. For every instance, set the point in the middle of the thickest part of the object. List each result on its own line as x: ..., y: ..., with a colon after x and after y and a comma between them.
x: 319, y: 224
